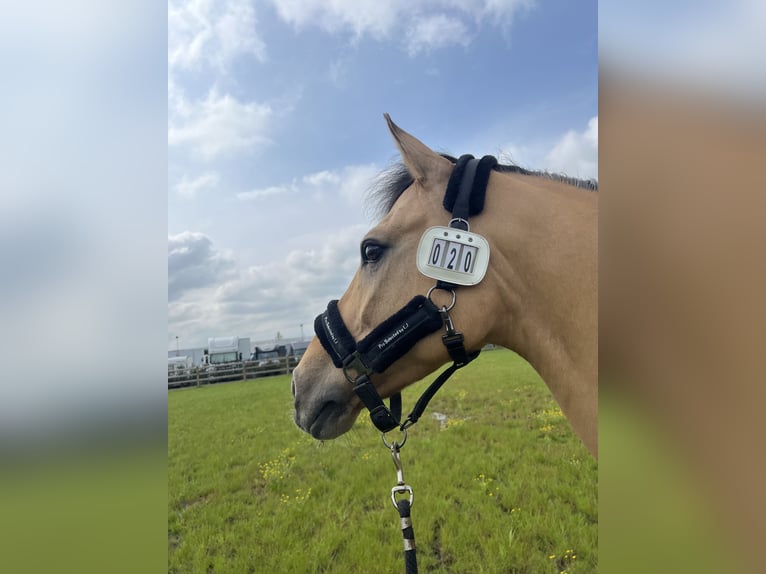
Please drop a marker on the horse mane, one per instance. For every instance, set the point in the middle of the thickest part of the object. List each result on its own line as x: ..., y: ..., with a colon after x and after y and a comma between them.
x: 390, y: 184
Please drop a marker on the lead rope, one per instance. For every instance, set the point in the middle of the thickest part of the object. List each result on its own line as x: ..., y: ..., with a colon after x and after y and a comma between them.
x: 453, y: 340
x: 403, y: 505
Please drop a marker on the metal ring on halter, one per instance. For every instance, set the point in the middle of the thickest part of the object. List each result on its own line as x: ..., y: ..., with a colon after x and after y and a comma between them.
x: 395, y: 443
x: 454, y: 297
x: 460, y: 219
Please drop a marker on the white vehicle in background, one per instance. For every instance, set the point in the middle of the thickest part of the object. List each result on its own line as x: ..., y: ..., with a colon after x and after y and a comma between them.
x: 265, y: 357
x: 224, y: 350
x: 179, y: 365
x: 223, y: 358
x: 180, y: 371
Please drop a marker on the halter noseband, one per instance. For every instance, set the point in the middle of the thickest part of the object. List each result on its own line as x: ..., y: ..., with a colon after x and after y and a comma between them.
x: 419, y: 318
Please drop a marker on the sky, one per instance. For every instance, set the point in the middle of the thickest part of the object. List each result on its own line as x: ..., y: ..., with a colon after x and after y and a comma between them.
x: 276, y: 130
x: 260, y: 122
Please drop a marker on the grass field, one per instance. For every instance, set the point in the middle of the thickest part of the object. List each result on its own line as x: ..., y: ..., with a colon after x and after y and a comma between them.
x: 501, y: 486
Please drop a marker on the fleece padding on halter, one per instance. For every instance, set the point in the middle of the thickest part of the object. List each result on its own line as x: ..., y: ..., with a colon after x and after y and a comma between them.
x: 476, y: 185
x: 333, y: 335
x: 387, y: 343
x: 391, y: 340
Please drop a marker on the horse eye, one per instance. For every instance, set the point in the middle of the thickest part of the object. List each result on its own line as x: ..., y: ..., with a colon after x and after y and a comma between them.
x: 371, y: 252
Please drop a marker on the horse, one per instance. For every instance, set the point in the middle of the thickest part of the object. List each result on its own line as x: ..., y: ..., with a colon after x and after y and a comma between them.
x: 538, y: 297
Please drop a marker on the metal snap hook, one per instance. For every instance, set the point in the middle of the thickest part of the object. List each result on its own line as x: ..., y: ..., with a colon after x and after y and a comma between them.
x: 449, y: 326
x: 401, y: 487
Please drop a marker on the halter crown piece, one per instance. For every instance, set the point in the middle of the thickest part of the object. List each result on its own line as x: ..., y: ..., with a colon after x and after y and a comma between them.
x: 418, y: 319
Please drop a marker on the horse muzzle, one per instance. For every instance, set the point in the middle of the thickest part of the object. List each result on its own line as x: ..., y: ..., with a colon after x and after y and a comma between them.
x: 325, y: 410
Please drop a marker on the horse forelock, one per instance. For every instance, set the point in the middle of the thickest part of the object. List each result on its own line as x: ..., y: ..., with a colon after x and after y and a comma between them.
x: 386, y: 188
x: 389, y: 185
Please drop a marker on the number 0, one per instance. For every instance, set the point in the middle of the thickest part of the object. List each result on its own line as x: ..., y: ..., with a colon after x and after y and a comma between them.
x: 467, y: 262
x: 435, y: 254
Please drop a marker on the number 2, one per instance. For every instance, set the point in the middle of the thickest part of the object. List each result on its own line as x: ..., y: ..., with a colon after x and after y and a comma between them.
x: 453, y: 253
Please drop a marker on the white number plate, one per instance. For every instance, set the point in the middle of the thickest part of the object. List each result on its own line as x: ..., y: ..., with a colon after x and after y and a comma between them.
x: 453, y: 255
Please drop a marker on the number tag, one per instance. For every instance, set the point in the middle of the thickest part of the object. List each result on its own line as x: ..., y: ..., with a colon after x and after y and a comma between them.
x: 453, y: 255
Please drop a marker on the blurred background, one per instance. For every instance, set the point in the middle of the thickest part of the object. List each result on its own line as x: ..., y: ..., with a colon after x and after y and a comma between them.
x: 682, y: 142
x: 83, y: 299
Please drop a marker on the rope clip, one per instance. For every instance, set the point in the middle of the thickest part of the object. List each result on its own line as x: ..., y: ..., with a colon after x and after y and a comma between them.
x: 401, y: 487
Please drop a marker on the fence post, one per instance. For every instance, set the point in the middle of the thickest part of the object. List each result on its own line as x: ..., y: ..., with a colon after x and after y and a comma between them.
x: 196, y: 371
x: 244, y: 371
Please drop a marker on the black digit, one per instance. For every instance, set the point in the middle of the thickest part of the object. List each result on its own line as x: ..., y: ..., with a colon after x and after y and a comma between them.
x: 453, y: 252
x: 467, y: 262
x: 435, y: 254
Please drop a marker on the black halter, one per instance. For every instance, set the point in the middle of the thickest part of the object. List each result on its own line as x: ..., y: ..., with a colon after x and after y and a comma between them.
x: 419, y: 318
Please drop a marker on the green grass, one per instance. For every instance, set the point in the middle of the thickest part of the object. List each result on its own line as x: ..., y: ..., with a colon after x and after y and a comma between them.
x: 84, y: 510
x: 504, y: 486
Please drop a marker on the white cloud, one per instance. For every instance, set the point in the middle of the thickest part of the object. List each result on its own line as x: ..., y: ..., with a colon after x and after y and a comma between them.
x: 355, y: 180
x: 194, y: 263
x: 188, y: 188
x: 276, y: 296
x: 360, y: 17
x: 380, y: 20
x: 212, y: 32
x: 350, y: 182
x: 322, y: 178
x: 217, y: 125
x: 257, y: 194
x: 211, y: 294
x: 432, y: 32
x: 576, y: 153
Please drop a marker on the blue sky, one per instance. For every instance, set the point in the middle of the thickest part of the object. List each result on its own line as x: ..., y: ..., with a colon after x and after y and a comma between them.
x: 275, y: 129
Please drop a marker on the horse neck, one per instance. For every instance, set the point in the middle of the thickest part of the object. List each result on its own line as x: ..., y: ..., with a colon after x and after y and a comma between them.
x: 546, y: 263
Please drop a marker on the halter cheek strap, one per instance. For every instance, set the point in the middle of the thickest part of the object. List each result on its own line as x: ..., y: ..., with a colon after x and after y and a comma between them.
x: 387, y: 343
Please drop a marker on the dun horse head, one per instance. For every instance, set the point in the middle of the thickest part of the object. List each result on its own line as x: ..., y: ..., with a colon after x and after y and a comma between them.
x: 388, y: 278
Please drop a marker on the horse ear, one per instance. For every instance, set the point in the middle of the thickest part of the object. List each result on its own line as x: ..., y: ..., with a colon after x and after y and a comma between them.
x: 424, y: 164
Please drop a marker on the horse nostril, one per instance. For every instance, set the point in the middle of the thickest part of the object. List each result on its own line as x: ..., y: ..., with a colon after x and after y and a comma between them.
x: 292, y: 387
